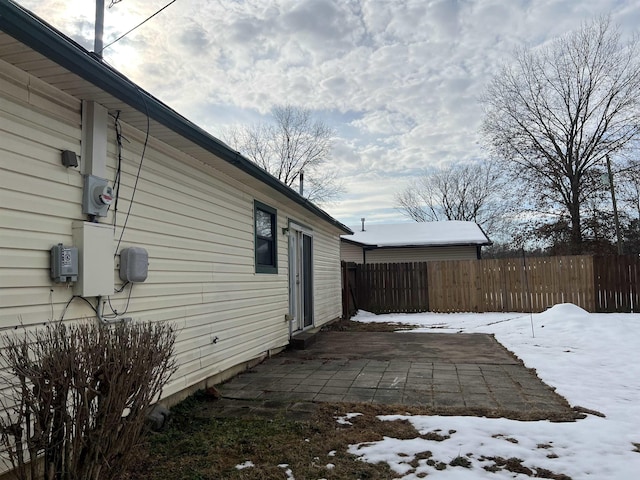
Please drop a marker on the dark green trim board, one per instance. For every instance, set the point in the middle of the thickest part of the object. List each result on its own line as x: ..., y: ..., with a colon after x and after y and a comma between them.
x: 267, y: 260
x: 38, y: 35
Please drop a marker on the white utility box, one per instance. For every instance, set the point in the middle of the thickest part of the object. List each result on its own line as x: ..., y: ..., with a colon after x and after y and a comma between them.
x: 95, y: 255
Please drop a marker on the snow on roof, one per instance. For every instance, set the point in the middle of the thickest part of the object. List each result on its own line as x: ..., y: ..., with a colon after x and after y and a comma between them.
x: 451, y: 232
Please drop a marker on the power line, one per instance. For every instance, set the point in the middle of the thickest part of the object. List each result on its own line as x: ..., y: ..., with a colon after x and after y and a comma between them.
x: 140, y: 24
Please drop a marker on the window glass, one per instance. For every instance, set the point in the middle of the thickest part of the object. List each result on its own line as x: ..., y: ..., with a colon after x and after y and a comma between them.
x: 265, y: 238
x: 264, y: 227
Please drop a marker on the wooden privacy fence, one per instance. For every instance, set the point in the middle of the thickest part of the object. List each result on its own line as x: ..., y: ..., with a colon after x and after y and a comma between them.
x: 384, y: 287
x: 511, y: 285
x: 595, y: 283
x: 617, y: 283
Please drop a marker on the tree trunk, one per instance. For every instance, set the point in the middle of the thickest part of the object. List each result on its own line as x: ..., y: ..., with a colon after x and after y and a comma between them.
x: 576, y: 224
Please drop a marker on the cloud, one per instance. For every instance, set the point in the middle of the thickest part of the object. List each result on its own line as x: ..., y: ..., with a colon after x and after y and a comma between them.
x: 195, y: 40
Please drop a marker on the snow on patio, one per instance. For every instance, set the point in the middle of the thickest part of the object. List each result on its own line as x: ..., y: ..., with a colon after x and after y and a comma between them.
x: 591, y: 359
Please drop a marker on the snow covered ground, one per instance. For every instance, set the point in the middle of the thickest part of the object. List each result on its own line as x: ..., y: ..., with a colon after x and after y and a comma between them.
x: 593, y: 360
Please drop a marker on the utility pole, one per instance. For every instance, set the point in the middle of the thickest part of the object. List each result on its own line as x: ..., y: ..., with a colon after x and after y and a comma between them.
x: 615, y: 206
x: 99, y: 28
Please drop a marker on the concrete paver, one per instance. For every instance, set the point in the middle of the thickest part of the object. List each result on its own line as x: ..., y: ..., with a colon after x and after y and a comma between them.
x: 421, y: 369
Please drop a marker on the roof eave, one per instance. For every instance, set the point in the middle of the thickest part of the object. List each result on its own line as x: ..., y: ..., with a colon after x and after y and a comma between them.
x: 423, y: 245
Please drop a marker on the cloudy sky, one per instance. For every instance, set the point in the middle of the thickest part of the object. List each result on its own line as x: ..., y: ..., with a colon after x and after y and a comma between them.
x: 397, y: 79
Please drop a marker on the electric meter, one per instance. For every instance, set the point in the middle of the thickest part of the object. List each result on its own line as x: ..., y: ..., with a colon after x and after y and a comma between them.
x: 97, y: 196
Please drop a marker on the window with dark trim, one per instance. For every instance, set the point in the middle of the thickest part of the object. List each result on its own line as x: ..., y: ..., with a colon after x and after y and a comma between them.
x: 266, y: 248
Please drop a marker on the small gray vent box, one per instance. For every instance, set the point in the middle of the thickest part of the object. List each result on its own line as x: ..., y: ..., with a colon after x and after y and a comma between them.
x: 134, y: 264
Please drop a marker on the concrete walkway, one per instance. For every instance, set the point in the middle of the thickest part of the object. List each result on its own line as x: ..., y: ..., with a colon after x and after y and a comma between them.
x: 470, y: 371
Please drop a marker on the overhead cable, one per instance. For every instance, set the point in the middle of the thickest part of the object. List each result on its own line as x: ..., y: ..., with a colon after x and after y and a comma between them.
x: 140, y: 24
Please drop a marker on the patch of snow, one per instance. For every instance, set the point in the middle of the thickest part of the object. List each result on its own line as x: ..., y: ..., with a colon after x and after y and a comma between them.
x: 288, y: 472
x: 344, y: 419
x: 244, y: 465
x: 591, y: 359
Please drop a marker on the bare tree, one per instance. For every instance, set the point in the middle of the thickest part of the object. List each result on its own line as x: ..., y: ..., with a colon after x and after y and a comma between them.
x: 458, y: 191
x: 558, y: 111
x: 628, y: 180
x: 628, y: 185
x: 294, y: 142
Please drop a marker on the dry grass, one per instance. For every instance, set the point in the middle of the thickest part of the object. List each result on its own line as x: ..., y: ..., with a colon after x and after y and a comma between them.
x: 204, y: 443
x: 351, y: 326
x: 200, y: 445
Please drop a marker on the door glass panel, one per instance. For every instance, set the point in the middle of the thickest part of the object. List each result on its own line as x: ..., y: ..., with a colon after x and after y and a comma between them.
x: 307, y: 280
x: 293, y: 281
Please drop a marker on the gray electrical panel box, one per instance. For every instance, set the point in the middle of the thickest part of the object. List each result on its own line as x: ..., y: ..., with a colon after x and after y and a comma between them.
x: 64, y: 264
x: 134, y: 264
x: 95, y: 254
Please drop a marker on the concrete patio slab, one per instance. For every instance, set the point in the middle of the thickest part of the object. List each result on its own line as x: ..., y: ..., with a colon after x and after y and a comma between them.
x: 420, y: 369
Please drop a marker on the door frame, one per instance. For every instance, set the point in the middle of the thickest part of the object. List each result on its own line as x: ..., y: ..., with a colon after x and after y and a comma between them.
x: 300, y: 277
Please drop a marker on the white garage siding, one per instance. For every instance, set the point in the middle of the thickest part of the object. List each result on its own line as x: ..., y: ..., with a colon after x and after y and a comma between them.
x: 195, y: 222
x: 351, y: 253
x: 419, y: 254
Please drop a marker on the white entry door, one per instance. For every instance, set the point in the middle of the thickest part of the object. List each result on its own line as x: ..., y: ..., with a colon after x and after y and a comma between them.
x: 300, y: 277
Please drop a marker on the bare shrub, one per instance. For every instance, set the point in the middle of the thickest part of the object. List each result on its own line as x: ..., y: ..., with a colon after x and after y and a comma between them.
x: 78, y: 397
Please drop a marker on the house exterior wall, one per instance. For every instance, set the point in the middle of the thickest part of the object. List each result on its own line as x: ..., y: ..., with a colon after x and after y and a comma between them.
x: 350, y: 252
x: 408, y: 254
x: 195, y: 222
x: 327, y: 291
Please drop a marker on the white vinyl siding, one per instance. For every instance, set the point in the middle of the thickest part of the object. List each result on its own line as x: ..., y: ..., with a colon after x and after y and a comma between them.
x: 350, y: 252
x: 420, y: 254
x: 195, y: 222
x: 354, y: 253
x: 326, y: 281
x: 39, y: 198
x: 199, y: 232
